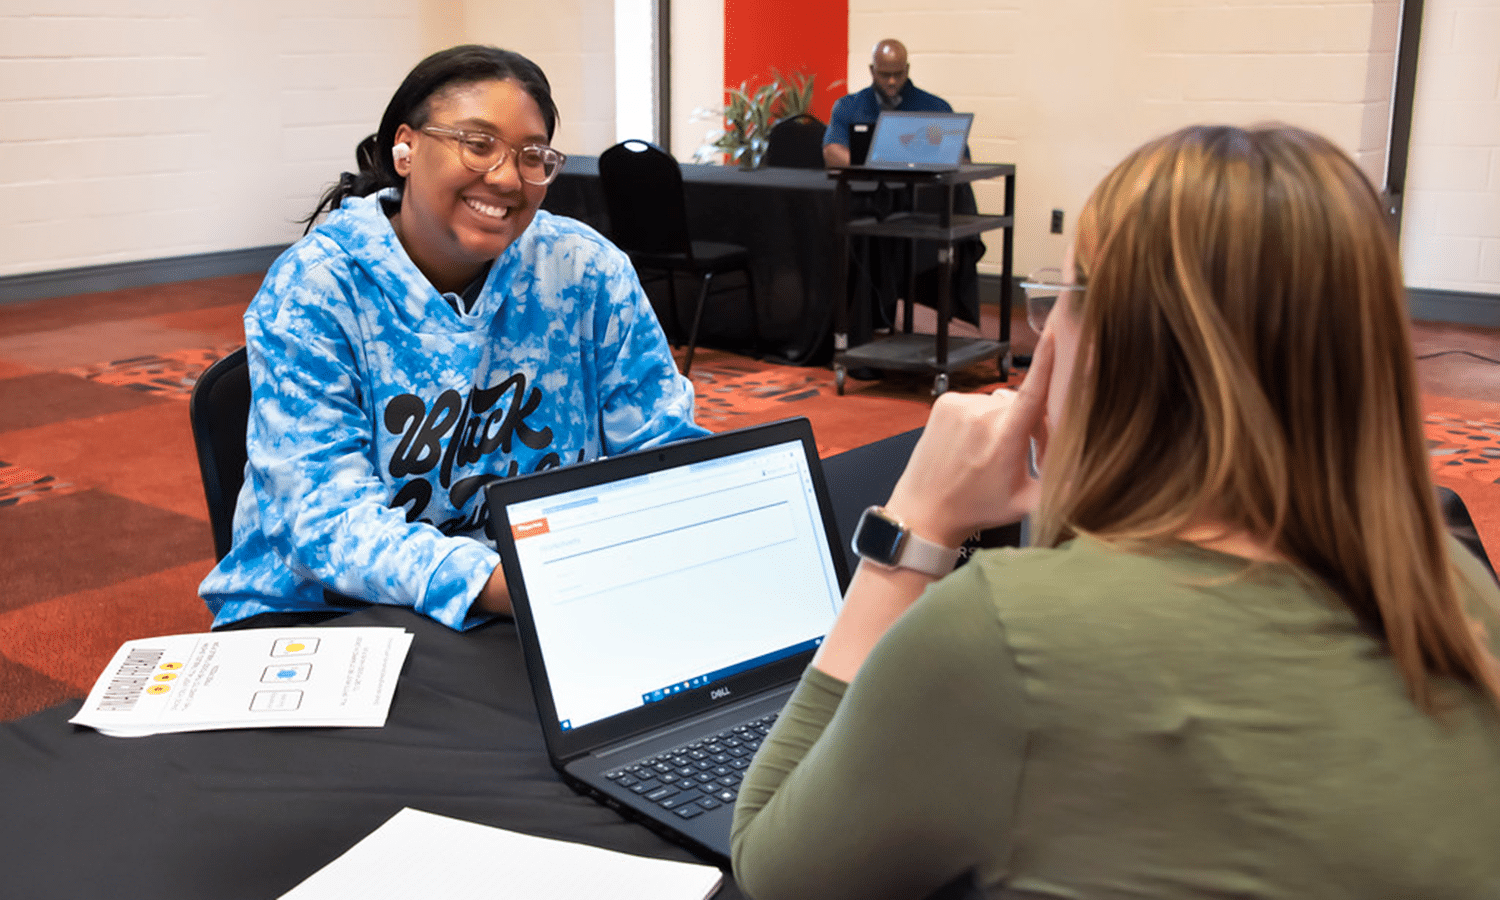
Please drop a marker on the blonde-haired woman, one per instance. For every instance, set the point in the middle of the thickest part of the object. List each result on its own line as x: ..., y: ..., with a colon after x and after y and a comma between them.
x: 1243, y: 658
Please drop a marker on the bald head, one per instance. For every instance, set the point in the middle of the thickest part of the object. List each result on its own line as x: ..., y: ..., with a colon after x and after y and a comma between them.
x: 888, y: 68
x: 889, y: 51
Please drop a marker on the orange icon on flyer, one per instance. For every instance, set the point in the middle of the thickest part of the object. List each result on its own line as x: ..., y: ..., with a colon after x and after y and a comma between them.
x: 158, y: 688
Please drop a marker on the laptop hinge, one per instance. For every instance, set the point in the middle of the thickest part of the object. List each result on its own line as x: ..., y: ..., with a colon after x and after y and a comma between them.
x: 730, y: 711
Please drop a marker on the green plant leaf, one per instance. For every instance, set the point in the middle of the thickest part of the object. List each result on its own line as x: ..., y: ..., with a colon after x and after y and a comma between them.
x: 750, y: 113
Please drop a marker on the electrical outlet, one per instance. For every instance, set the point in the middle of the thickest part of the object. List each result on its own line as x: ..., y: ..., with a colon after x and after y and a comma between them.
x: 1057, y: 216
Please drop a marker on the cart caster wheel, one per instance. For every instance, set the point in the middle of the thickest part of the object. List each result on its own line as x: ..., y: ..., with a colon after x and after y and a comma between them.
x: 939, y: 384
x: 839, y: 372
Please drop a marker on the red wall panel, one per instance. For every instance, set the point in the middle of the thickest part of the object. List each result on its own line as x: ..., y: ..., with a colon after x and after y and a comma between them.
x: 809, y: 36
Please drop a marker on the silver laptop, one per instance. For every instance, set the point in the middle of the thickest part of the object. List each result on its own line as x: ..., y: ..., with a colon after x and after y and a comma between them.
x: 919, y: 141
x: 667, y: 601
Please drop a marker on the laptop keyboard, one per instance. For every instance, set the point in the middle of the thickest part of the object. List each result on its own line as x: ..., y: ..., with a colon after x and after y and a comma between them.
x: 700, y: 775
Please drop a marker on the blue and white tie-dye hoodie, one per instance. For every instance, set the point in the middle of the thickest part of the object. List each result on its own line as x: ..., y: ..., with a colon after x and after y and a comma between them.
x: 379, y: 412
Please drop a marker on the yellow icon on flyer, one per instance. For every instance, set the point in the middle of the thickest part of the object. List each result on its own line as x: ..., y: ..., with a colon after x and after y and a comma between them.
x: 292, y: 646
x: 164, y: 676
x: 158, y: 688
x: 170, y: 666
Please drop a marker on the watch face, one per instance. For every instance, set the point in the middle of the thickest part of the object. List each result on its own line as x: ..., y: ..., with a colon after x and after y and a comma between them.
x: 878, y: 537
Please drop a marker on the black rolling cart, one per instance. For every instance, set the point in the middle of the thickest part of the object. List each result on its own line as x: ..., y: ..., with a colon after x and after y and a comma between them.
x: 937, y: 354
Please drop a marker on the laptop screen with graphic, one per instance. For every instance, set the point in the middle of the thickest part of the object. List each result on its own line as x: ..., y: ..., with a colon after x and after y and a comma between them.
x: 919, y: 140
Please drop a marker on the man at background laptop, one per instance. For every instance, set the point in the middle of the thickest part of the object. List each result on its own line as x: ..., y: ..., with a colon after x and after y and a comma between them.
x: 891, y: 89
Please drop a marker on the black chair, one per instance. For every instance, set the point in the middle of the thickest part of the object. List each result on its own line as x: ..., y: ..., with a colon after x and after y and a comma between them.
x: 219, y: 410
x: 1461, y: 526
x: 644, y: 197
x: 796, y: 143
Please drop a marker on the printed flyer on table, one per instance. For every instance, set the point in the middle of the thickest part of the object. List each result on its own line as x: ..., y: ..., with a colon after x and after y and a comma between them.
x: 257, y: 678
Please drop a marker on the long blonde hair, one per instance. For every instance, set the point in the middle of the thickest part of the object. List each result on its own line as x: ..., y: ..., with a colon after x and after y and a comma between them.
x: 1246, y: 360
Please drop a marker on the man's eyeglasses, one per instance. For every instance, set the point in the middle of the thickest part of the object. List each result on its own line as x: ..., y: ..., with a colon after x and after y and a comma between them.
x: 481, y: 152
x: 1043, y: 287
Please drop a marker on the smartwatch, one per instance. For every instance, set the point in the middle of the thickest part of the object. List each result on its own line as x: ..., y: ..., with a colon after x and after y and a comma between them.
x: 881, y: 538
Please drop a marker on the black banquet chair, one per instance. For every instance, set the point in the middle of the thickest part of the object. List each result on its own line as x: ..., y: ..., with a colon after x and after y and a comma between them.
x: 647, y: 209
x: 796, y: 143
x: 219, y: 411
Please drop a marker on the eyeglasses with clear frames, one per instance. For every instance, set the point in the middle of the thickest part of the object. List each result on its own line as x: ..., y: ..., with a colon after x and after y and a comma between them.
x: 1042, y: 288
x: 480, y: 152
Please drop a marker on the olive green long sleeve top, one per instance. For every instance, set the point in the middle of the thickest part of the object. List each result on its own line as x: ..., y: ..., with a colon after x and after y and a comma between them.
x: 1084, y: 723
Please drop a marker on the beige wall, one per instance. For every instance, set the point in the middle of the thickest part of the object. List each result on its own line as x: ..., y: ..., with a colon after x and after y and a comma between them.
x: 1451, y: 228
x: 697, y: 72
x: 142, y: 129
x: 1065, y: 88
x: 573, y: 41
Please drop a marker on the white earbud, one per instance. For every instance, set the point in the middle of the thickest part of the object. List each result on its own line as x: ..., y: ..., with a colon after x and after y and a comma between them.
x: 401, y: 152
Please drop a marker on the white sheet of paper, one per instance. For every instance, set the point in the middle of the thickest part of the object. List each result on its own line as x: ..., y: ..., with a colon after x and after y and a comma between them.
x: 256, y: 678
x: 421, y: 854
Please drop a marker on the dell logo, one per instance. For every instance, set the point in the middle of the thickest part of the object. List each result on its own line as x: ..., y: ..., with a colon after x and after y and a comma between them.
x: 719, y: 693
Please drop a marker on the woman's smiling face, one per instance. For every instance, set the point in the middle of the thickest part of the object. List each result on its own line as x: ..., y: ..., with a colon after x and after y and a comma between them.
x: 454, y: 220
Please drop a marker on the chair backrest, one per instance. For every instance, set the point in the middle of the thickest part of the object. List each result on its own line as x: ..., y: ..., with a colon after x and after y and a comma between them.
x: 796, y: 143
x: 644, y: 197
x: 1461, y: 525
x: 219, y: 411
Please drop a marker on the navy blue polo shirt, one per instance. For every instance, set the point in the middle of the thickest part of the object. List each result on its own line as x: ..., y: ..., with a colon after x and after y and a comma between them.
x: 864, y: 106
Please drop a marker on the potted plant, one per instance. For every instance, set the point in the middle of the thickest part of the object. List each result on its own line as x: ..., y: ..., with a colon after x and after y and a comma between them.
x: 750, y: 115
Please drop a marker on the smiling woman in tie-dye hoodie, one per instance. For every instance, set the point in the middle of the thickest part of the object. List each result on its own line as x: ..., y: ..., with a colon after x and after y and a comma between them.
x: 436, y: 331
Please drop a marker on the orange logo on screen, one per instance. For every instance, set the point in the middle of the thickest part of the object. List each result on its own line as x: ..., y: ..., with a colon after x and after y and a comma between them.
x: 529, y: 529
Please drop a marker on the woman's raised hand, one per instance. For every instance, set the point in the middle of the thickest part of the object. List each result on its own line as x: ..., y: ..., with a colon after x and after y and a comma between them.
x: 971, y: 469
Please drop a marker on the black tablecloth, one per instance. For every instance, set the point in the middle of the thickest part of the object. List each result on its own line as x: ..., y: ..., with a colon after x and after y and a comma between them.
x: 789, y: 221
x: 229, y: 814
x: 785, y: 217
x: 251, y: 813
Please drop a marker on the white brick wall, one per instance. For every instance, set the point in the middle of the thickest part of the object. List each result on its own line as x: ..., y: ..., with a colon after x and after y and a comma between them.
x: 140, y: 129
x: 1065, y: 89
x: 573, y: 42
x: 1450, y: 234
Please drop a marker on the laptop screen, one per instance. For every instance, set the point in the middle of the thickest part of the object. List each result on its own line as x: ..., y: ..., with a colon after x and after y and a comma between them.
x: 665, y: 582
x: 919, y: 139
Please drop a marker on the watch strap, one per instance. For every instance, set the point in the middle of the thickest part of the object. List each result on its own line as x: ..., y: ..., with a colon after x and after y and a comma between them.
x: 929, y: 558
